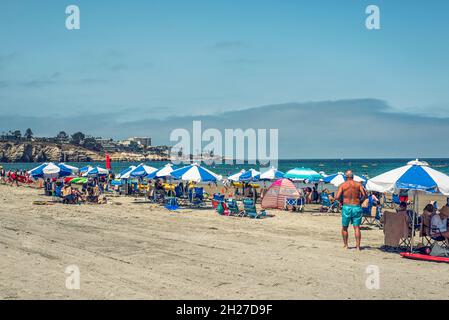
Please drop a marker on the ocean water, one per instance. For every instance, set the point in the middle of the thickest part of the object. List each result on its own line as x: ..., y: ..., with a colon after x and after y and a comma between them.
x: 368, y: 167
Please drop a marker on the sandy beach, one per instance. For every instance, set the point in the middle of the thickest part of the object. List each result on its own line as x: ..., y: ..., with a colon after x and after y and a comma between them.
x: 131, y: 250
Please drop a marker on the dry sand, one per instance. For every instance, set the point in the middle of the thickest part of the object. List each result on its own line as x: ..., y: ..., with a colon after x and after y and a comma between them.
x: 126, y: 250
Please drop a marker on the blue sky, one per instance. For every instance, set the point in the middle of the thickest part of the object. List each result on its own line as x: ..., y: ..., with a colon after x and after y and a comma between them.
x: 155, y: 59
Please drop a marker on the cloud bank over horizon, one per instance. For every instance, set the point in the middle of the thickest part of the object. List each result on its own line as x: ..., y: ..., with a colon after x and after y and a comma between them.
x: 353, y: 128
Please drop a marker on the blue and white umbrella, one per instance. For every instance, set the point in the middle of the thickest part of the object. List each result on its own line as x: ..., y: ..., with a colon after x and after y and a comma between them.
x: 74, y: 169
x: 94, y: 171
x: 416, y: 175
x: 142, y: 170
x: 303, y: 174
x: 163, y: 172
x: 236, y: 176
x: 250, y: 175
x: 195, y: 173
x: 50, y: 170
x: 338, y: 178
x: 125, y: 174
x: 271, y: 174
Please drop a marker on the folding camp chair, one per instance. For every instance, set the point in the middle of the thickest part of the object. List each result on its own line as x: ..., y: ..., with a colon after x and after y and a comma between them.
x: 297, y: 204
x: 371, y: 214
x: 172, y: 204
x: 57, y: 194
x: 430, y: 236
x: 233, y: 207
x: 327, y: 206
x: 251, y: 211
x: 196, y: 197
x: 217, y: 198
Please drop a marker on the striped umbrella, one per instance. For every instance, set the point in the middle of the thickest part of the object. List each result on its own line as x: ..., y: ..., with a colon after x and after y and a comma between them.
x: 195, y: 173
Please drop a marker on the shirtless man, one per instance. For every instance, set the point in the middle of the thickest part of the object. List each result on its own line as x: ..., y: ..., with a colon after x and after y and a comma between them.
x: 353, y: 194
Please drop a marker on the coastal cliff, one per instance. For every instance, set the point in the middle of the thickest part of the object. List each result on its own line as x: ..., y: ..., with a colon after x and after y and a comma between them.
x: 45, y: 152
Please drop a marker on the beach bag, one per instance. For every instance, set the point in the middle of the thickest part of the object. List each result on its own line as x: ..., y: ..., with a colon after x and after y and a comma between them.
x: 439, y: 251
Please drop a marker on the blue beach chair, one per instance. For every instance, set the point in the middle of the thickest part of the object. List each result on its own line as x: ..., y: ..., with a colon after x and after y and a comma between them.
x: 251, y: 211
x: 327, y: 206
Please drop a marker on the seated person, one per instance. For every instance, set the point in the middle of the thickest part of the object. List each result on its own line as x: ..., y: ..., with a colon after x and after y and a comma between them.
x: 67, y: 194
x: 438, y: 224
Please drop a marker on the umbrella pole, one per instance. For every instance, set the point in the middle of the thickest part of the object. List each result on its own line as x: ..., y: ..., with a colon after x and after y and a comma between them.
x: 415, y: 209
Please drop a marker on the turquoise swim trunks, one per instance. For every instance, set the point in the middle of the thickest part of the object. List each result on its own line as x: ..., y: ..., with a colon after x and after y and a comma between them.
x: 351, y: 214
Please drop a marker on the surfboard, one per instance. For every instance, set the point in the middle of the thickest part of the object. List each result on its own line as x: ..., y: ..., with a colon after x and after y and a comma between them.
x: 423, y: 257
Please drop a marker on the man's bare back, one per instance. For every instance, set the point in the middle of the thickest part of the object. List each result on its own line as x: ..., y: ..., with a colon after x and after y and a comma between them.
x: 352, y: 192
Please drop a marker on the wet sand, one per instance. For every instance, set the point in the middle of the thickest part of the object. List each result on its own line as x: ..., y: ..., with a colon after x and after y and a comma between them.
x: 130, y: 250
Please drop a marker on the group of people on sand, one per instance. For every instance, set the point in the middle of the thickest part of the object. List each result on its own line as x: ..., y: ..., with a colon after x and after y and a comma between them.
x: 90, y: 192
x: 14, y: 177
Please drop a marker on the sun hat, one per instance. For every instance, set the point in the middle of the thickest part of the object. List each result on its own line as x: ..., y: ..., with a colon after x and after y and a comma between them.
x: 444, y: 211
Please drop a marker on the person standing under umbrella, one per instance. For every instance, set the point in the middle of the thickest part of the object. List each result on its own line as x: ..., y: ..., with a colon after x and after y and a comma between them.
x: 353, y: 195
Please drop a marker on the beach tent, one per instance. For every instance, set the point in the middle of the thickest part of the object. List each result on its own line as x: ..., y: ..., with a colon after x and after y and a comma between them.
x: 94, y: 171
x: 74, y: 169
x: 338, y: 178
x: 417, y: 177
x: 276, y: 194
x: 250, y: 175
x: 141, y: 171
x: 195, y: 173
x: 50, y: 170
x: 271, y: 174
x: 124, y: 174
x: 236, y: 176
x: 163, y: 172
x: 303, y: 174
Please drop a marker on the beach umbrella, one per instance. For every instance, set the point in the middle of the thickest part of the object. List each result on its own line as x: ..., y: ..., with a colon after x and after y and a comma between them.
x: 74, y: 169
x: 416, y: 176
x: 303, y: 174
x: 250, y: 175
x: 236, y: 176
x: 163, y: 172
x: 79, y: 180
x: 271, y: 174
x: 125, y: 173
x: 50, y: 170
x: 338, y: 178
x: 141, y: 171
x: 94, y: 172
x: 195, y: 173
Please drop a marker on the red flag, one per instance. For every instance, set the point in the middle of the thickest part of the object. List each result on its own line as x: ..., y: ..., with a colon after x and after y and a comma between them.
x: 108, y: 162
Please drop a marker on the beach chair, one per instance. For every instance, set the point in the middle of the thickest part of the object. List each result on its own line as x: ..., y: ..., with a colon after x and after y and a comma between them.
x: 233, y: 207
x: 297, y: 204
x: 217, y: 198
x: 57, y: 194
x: 371, y: 214
x: 251, y: 211
x: 172, y: 204
x: 431, y: 237
x: 196, y: 196
x: 327, y: 206
x: 397, y: 232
